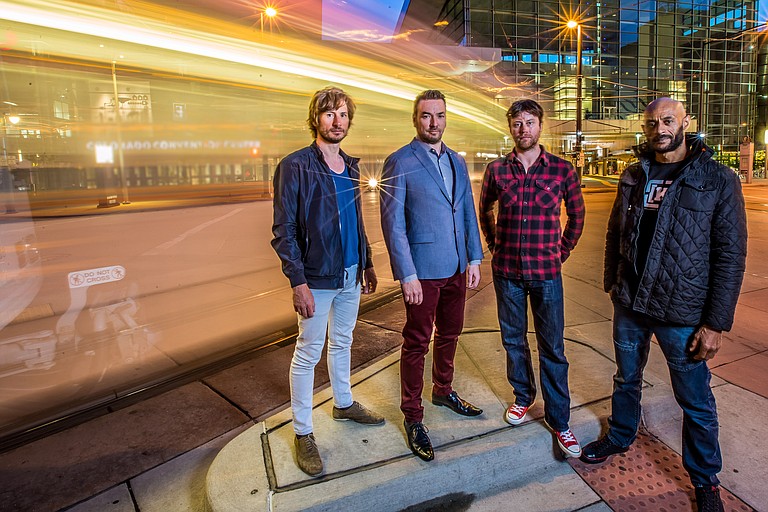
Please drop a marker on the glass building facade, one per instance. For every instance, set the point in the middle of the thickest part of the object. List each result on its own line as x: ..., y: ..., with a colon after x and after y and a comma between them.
x: 703, y: 53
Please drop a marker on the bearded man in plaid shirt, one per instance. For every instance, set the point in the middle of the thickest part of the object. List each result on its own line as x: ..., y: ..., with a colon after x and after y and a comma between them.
x: 529, y: 185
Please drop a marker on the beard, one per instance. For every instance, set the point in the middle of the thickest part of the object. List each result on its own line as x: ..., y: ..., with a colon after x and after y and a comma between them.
x: 431, y: 138
x: 673, y: 142
x: 332, y: 136
x: 525, y: 144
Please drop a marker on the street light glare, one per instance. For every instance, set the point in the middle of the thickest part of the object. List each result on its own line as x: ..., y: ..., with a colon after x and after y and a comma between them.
x: 14, y: 119
x: 271, y: 12
x: 572, y: 24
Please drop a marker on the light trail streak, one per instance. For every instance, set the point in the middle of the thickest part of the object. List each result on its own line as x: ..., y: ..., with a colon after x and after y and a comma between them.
x: 183, y: 236
x: 310, y: 61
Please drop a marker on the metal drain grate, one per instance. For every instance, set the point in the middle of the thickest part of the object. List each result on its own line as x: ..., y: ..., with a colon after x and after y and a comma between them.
x: 648, y: 477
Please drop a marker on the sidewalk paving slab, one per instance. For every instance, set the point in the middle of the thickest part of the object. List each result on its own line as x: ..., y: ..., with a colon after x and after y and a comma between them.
x: 373, y: 465
x: 554, y: 489
x: 180, y: 483
x: 115, y: 499
x: 480, y: 462
x: 61, y: 469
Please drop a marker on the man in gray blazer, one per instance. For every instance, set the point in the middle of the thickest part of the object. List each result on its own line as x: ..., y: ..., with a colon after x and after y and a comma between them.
x: 430, y: 228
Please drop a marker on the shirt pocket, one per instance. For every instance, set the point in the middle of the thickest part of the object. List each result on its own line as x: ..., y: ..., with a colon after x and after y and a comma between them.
x: 507, y: 190
x: 698, y: 196
x: 547, y: 193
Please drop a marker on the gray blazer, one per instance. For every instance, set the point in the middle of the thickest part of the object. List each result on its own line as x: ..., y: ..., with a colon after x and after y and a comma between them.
x: 426, y: 233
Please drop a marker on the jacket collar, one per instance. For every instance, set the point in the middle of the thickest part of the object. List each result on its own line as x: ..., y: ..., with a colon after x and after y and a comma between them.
x: 698, y: 152
x: 416, y: 143
x: 349, y: 160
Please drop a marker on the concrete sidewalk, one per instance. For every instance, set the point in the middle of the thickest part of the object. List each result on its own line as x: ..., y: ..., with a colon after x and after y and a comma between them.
x: 481, y: 464
x: 219, y: 444
x: 475, y: 457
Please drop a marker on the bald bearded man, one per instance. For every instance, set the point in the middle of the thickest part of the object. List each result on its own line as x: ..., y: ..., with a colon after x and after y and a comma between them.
x: 675, y: 255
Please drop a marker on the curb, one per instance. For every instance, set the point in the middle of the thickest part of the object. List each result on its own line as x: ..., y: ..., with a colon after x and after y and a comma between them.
x: 507, y: 457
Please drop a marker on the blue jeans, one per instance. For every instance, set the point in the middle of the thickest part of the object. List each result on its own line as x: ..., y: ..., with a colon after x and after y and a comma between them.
x: 549, y: 321
x: 690, y: 384
x: 336, y: 315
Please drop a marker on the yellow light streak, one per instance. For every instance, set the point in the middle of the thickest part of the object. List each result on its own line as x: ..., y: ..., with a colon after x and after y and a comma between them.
x: 308, y: 61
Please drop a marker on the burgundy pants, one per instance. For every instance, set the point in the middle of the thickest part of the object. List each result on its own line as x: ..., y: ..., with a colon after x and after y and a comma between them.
x: 443, y: 308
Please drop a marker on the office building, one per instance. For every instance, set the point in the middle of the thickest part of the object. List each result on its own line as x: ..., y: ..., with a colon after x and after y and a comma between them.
x: 701, y: 52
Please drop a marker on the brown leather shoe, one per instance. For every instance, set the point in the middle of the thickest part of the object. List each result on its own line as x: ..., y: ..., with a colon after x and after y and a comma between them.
x: 359, y: 414
x: 307, y: 455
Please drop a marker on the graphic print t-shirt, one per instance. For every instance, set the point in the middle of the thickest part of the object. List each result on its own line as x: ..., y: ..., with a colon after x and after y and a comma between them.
x: 660, y: 177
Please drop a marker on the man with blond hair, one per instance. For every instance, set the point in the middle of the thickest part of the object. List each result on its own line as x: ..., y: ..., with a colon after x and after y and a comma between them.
x: 321, y: 241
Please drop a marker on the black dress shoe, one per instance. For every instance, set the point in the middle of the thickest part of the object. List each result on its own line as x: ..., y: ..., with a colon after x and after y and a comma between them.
x: 418, y: 440
x: 456, y: 404
x: 597, y: 451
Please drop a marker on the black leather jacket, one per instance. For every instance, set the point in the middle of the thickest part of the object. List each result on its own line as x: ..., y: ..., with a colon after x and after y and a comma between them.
x: 697, y: 257
x: 307, y: 234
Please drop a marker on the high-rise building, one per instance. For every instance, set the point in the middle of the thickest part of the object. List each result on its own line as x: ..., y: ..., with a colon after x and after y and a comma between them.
x: 701, y: 52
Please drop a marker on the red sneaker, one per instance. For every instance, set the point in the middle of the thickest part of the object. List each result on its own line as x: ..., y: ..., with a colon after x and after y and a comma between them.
x: 568, y: 443
x: 516, y: 414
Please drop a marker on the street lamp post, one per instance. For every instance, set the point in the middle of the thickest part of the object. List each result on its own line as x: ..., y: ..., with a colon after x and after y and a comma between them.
x: 269, y: 12
x: 702, y: 83
x: 118, y: 122
x: 579, y: 81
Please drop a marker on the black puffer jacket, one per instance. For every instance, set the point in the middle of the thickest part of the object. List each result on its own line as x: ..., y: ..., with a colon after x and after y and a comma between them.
x: 697, y: 257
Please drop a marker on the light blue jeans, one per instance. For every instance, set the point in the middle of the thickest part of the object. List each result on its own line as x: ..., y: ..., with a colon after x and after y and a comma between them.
x: 336, y: 315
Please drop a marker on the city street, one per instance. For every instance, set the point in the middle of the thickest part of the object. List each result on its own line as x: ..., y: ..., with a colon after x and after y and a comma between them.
x: 197, y: 282
x: 147, y: 331
x: 165, y: 427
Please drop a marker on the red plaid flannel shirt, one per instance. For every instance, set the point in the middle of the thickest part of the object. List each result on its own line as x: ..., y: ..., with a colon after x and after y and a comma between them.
x: 525, y: 238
